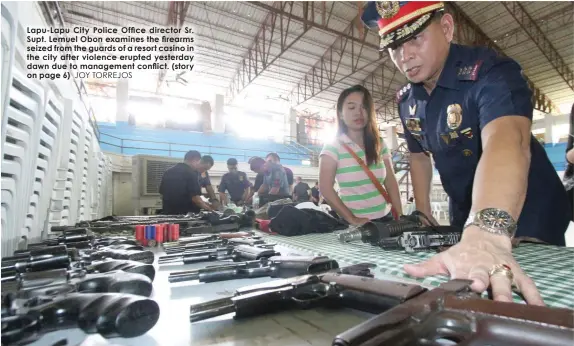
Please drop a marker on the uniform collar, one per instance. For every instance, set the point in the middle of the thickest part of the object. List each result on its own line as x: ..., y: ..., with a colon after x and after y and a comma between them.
x: 448, y: 77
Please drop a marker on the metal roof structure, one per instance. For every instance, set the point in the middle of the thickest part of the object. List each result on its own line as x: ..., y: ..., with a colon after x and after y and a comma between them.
x: 302, y: 54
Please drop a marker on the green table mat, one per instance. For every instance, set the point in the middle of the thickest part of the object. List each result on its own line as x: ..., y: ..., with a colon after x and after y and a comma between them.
x: 551, y: 267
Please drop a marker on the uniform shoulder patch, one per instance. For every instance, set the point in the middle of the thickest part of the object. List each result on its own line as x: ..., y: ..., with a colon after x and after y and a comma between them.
x: 403, y: 92
x: 470, y: 72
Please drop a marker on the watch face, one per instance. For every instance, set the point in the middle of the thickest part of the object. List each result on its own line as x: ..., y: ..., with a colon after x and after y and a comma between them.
x: 496, y: 218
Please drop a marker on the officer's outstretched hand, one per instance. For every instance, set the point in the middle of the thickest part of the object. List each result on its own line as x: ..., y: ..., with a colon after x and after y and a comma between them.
x: 473, y: 258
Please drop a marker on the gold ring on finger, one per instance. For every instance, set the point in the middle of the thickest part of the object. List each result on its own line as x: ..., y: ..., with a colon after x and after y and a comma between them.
x: 502, y: 269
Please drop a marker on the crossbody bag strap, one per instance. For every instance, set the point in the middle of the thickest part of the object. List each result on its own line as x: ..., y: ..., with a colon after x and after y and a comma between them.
x: 373, y: 179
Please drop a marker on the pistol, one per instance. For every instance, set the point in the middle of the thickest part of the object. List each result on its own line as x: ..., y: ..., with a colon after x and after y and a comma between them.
x: 275, y: 267
x: 108, y: 314
x: 452, y: 313
x: 334, y: 290
x: 238, y: 253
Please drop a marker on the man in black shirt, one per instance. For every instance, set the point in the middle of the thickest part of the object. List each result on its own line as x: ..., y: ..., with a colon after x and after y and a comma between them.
x: 180, y: 188
x: 236, y: 183
x: 301, y: 191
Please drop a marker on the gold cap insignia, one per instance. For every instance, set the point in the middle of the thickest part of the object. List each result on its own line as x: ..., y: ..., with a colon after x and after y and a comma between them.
x: 466, y: 152
x: 445, y: 138
x: 387, y: 9
x: 454, y: 116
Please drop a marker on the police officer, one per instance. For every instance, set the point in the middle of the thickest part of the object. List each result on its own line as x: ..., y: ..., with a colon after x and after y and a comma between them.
x: 180, y: 188
x: 471, y: 110
x: 205, y: 182
x: 236, y: 183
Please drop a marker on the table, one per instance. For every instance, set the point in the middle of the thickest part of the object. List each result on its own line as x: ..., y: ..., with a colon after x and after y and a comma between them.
x: 551, y: 267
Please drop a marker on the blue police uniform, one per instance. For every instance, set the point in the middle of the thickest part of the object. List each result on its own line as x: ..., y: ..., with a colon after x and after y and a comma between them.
x: 477, y: 86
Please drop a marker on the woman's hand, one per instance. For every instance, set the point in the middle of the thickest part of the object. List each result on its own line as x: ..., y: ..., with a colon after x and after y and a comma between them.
x: 473, y: 258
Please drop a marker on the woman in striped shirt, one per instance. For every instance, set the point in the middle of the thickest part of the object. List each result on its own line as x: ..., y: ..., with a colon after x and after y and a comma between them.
x: 358, y: 200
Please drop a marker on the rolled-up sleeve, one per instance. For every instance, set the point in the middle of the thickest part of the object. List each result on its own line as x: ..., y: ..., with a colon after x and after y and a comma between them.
x: 503, y: 91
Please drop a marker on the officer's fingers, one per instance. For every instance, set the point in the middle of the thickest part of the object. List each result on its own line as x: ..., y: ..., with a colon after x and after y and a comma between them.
x: 501, y: 287
x: 479, y: 276
x: 432, y: 266
x: 528, y: 289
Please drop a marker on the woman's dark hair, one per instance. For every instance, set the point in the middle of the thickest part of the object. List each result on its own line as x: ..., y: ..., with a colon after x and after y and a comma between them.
x: 372, y: 141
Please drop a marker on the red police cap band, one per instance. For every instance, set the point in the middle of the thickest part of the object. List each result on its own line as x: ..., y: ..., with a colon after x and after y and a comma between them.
x: 398, y: 21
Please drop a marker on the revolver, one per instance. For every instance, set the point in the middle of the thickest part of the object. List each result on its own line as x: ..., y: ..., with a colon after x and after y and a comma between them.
x: 108, y: 314
x: 275, y: 267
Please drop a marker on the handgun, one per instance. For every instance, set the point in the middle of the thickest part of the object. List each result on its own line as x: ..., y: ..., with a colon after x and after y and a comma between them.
x: 238, y: 253
x: 453, y: 315
x: 328, y: 289
x: 108, y: 314
x: 122, y: 252
x: 53, y: 257
x: 42, y: 283
x: 275, y: 267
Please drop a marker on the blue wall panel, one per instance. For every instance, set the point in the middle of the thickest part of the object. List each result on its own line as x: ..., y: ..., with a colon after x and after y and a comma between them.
x: 223, y: 146
x: 220, y: 146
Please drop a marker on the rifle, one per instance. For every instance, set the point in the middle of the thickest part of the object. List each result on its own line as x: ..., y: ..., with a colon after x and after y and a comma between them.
x: 275, y: 267
x: 452, y: 313
x: 241, y: 252
x: 328, y: 289
x: 108, y: 314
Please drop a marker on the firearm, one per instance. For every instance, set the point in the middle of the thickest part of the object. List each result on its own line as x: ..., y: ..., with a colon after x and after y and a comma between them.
x: 198, y: 238
x: 53, y: 257
x: 108, y: 314
x: 57, y: 280
x: 238, y: 253
x: 275, y: 267
x: 374, y: 232
x: 328, y: 289
x: 216, y: 243
x: 422, y: 240
x: 122, y: 251
x: 451, y: 313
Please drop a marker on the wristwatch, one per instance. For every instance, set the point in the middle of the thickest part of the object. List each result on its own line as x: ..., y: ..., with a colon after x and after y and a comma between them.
x: 493, y: 220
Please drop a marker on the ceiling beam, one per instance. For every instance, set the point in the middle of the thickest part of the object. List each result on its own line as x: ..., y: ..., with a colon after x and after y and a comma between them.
x: 379, y: 83
x: 315, y: 22
x: 175, y: 18
x: 277, y: 26
x: 327, y: 70
x: 519, y: 13
x: 467, y: 32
